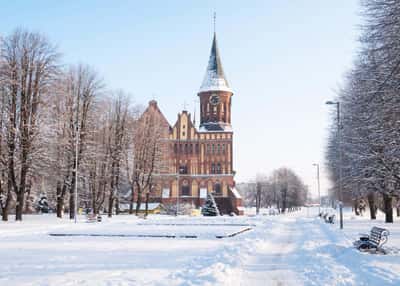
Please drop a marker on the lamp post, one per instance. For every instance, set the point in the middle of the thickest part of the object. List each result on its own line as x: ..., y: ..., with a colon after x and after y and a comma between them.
x: 337, y: 103
x: 319, y: 190
x: 76, y: 159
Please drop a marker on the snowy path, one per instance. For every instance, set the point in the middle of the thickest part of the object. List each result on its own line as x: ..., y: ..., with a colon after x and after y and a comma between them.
x: 292, y: 249
x: 271, y: 261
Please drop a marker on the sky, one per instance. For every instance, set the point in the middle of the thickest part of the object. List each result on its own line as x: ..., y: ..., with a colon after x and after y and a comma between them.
x: 283, y: 59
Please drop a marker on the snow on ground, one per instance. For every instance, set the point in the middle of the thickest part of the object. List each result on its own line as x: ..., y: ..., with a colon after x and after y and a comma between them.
x: 292, y: 249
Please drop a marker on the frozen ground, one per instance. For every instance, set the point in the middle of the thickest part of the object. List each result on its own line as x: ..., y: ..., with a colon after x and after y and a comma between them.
x: 294, y: 249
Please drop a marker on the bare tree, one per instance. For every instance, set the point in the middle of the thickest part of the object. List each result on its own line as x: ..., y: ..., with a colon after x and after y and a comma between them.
x: 27, y: 71
x: 117, y: 129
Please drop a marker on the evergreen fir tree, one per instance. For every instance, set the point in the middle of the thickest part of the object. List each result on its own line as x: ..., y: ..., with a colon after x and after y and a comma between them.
x: 210, y: 207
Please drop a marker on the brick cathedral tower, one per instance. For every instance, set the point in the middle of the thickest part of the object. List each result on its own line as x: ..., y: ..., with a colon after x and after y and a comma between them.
x: 215, y: 95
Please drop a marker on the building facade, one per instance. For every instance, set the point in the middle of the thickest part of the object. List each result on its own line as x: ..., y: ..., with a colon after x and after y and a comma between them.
x: 199, y: 161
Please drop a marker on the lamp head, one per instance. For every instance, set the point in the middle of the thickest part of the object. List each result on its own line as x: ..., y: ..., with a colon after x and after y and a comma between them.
x: 329, y: 102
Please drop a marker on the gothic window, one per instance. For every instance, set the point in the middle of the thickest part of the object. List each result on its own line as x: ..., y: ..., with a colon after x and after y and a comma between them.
x: 218, y: 170
x: 197, y: 149
x: 217, y: 188
x: 212, y: 168
x: 185, y: 189
x: 213, y: 149
x: 208, y: 149
x: 186, y: 148
x: 175, y: 148
x: 218, y: 148
x: 223, y: 149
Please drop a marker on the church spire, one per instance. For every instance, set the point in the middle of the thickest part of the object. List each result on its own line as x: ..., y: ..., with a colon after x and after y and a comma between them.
x: 214, y: 79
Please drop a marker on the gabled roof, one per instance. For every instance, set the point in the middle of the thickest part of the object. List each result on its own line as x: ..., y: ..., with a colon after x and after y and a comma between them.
x: 153, y: 106
x: 214, y: 79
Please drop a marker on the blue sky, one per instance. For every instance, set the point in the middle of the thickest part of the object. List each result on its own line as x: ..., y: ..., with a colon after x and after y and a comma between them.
x: 283, y: 59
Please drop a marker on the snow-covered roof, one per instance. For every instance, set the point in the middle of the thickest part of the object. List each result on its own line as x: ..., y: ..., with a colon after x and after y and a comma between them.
x: 215, y: 127
x: 236, y: 193
x: 214, y: 79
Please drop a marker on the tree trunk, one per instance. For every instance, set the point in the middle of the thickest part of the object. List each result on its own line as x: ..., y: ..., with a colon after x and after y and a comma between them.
x: 131, y: 202
x: 371, y: 204
x: 117, y: 206
x: 258, y: 198
x: 60, y: 207
x: 147, y: 203
x: 4, y: 214
x: 388, y: 207
x: 110, y: 205
x: 398, y: 207
x: 60, y: 200
x: 20, y: 205
x: 72, y: 196
x: 71, y: 205
x: 138, y: 201
x: 5, y: 207
x: 284, y: 202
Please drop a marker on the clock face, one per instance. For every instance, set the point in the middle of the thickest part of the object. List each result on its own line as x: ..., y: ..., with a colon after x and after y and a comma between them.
x: 214, y: 99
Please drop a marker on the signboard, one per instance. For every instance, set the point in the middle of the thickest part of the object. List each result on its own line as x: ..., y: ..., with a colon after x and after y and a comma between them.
x: 165, y: 193
x: 203, y: 193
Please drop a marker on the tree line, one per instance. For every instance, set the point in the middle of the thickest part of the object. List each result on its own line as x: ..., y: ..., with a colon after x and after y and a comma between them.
x: 61, y: 128
x: 369, y: 125
x: 283, y: 190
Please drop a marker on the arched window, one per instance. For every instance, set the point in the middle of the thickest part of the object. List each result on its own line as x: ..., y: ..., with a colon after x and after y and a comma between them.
x: 217, y: 188
x: 185, y: 188
x: 212, y: 168
x: 218, y: 171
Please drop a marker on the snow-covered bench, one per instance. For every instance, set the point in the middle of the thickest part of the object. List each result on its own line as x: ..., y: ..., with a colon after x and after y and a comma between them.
x: 373, y: 241
x: 93, y: 218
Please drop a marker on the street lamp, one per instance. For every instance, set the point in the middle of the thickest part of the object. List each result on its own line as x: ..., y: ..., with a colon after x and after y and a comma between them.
x: 319, y: 190
x: 337, y: 103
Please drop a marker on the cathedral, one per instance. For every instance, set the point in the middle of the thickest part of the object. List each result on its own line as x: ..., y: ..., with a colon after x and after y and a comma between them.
x: 199, y: 160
